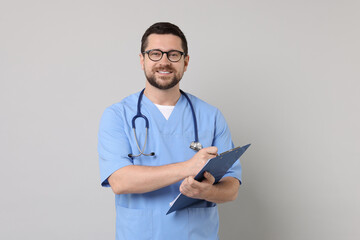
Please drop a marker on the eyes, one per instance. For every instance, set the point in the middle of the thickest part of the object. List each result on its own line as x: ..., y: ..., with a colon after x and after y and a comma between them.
x: 157, y: 54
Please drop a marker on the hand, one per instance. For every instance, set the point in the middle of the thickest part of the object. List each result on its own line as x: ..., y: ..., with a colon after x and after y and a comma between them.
x: 197, y: 162
x: 194, y: 189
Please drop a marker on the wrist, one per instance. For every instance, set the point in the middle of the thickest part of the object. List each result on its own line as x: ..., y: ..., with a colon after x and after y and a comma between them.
x: 184, y: 170
x: 210, y: 194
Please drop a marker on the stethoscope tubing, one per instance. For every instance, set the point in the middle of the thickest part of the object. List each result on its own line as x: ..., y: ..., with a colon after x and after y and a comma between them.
x: 140, y: 115
x: 193, y: 114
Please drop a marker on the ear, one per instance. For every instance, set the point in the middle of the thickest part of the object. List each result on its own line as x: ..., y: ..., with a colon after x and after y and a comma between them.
x: 186, y: 62
x: 141, y: 61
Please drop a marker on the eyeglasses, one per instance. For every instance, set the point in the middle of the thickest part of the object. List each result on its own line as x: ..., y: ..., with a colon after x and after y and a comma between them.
x: 156, y: 55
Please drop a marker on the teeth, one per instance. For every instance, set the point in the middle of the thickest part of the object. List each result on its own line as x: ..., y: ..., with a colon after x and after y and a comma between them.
x: 163, y: 72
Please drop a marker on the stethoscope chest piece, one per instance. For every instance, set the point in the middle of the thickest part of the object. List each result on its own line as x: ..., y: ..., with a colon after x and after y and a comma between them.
x: 196, y: 146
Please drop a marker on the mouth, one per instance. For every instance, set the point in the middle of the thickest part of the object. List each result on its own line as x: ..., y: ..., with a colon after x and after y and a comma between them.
x: 164, y: 72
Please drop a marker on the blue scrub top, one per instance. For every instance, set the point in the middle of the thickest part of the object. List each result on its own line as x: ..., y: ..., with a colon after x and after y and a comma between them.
x: 143, y: 216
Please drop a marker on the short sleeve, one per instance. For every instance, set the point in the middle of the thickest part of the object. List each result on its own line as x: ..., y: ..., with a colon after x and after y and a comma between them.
x: 222, y: 140
x: 113, y: 144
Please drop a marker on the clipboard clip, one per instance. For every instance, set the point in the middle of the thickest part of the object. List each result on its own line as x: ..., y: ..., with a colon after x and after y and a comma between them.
x: 234, y: 149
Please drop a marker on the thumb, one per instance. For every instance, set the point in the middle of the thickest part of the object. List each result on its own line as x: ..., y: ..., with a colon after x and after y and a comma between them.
x: 212, y: 150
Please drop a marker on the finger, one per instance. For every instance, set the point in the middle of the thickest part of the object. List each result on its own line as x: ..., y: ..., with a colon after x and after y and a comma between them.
x: 187, y: 188
x: 187, y: 183
x: 209, y: 178
x: 192, y: 184
x: 184, y: 187
x: 190, y: 180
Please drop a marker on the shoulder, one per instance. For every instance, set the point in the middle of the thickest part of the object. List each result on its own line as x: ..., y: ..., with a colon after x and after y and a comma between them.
x: 208, y: 113
x: 128, y: 103
x: 120, y: 110
x: 200, y: 103
x: 202, y: 106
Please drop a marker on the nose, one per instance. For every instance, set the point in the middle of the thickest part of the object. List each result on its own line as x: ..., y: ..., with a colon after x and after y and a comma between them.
x: 164, y: 59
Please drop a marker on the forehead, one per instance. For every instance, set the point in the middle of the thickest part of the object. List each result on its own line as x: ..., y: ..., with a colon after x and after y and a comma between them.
x: 164, y: 42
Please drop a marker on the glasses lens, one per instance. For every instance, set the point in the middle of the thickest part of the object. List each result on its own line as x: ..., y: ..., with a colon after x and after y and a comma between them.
x: 174, y: 56
x: 155, y: 55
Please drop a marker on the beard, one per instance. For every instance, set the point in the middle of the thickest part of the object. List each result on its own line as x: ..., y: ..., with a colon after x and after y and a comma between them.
x: 163, y: 82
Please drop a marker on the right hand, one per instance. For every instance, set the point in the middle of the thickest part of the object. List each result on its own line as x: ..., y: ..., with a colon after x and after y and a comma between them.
x: 197, y: 162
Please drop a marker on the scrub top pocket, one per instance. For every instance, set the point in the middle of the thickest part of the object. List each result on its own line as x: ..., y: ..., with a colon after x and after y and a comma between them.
x: 203, y: 223
x: 133, y: 224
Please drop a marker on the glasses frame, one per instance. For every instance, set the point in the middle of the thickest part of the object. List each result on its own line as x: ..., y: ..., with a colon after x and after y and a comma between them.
x: 162, y: 54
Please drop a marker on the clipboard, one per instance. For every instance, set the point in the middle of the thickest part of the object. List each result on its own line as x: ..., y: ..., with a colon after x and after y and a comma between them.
x: 217, y: 166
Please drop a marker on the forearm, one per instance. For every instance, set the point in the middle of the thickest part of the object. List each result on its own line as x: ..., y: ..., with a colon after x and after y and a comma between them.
x: 142, y: 179
x: 224, y: 191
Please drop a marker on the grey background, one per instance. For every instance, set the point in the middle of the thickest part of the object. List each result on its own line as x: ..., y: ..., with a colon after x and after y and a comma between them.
x: 284, y: 73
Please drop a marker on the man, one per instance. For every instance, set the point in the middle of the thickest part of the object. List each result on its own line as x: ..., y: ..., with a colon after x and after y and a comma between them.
x: 146, y: 183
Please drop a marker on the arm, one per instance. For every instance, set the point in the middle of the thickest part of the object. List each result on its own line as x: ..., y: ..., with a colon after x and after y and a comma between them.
x: 142, y: 179
x: 224, y: 191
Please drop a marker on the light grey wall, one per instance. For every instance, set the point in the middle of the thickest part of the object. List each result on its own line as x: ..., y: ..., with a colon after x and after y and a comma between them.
x: 284, y: 73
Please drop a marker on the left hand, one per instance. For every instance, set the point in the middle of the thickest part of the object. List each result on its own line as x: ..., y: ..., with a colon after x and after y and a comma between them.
x: 194, y: 189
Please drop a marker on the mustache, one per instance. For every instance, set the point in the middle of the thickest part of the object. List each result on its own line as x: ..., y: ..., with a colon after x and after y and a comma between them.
x: 164, y: 69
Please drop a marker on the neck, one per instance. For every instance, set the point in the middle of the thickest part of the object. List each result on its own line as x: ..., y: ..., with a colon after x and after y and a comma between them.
x: 167, y: 97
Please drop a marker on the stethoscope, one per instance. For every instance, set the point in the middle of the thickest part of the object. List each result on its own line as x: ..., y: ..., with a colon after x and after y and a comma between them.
x: 195, y: 145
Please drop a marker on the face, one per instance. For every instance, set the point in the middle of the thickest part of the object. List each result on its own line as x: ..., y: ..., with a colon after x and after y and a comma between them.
x: 164, y: 74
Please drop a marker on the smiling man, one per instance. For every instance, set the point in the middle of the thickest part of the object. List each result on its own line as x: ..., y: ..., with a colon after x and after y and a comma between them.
x: 144, y: 149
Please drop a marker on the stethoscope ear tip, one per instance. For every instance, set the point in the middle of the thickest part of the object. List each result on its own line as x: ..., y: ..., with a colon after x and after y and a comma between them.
x: 152, y: 154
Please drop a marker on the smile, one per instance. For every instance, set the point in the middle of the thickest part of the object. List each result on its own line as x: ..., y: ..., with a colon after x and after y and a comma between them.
x: 164, y: 72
